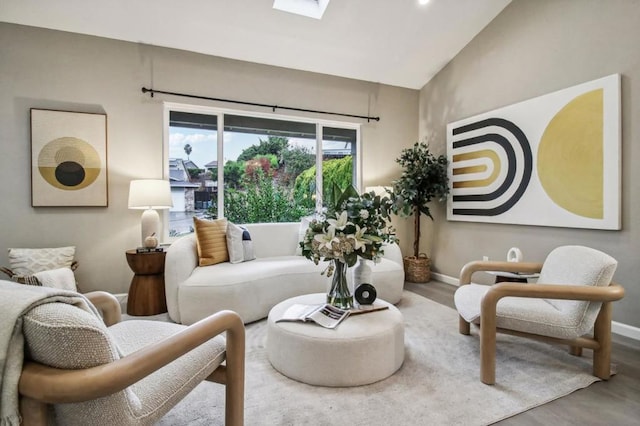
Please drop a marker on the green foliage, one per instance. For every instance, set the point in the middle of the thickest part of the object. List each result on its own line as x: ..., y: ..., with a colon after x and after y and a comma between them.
x: 263, y: 201
x: 274, y: 145
x: 354, y: 225
x: 424, y: 178
x: 334, y: 172
x: 304, y: 188
x: 258, y: 186
x: 296, y: 160
x: 194, y: 173
x: 233, y: 174
x: 188, y: 150
x: 337, y: 172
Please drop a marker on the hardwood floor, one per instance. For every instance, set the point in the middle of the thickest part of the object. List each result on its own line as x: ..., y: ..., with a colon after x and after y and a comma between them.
x: 614, y: 402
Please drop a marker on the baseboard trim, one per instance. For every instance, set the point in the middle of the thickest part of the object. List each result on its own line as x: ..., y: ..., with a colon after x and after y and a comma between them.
x: 616, y: 327
x: 445, y: 279
x: 625, y: 330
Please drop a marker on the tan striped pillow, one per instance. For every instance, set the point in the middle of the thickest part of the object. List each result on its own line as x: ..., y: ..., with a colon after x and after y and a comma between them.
x: 211, y: 239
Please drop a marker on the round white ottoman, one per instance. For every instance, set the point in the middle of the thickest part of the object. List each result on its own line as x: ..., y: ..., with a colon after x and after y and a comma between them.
x: 363, y: 348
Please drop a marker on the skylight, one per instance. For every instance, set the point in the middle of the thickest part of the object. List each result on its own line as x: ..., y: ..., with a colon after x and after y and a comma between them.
x: 311, y: 8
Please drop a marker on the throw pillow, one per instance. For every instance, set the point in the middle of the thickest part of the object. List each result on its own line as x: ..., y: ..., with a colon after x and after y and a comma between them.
x: 26, y: 261
x: 62, y: 278
x: 211, y: 241
x: 239, y: 244
x: 304, y: 225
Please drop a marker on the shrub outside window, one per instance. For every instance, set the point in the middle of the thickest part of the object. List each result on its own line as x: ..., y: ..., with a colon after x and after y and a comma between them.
x: 258, y: 168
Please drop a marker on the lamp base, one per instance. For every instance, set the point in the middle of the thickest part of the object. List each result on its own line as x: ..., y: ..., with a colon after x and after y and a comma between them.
x: 150, y: 224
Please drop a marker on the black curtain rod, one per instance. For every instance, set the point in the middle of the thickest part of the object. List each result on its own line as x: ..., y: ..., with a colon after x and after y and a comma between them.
x: 273, y: 107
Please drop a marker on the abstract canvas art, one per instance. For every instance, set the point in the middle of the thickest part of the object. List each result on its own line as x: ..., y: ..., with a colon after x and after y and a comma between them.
x: 552, y: 161
x: 68, y: 159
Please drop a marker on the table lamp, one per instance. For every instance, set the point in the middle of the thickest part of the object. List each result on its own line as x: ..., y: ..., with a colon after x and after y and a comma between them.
x: 150, y: 195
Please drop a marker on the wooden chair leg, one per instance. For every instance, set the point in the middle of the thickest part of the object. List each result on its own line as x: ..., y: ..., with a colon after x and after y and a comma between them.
x: 234, y: 393
x: 575, y: 350
x: 464, y: 327
x: 34, y: 413
x: 602, y: 334
x: 488, y: 348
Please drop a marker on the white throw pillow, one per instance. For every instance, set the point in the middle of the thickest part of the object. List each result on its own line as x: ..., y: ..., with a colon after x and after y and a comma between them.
x: 239, y: 244
x: 26, y: 261
x: 62, y: 278
x: 304, y: 225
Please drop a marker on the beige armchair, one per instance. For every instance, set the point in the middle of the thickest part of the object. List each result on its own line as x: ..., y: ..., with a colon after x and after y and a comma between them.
x: 573, y: 296
x: 124, y: 373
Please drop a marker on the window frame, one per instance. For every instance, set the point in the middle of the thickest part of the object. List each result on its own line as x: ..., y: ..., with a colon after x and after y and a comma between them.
x: 220, y: 114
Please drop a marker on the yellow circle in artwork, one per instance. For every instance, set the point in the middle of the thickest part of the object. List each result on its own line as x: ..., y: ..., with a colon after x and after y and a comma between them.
x: 69, y: 163
x: 570, y: 156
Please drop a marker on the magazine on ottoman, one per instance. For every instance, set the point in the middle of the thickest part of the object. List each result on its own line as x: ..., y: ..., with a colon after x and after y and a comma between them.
x: 324, y: 315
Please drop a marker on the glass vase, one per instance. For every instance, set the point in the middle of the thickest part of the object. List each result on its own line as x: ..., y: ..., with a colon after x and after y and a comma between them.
x: 339, y: 294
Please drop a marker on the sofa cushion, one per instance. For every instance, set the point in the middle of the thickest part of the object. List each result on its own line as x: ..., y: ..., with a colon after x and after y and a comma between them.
x: 211, y: 238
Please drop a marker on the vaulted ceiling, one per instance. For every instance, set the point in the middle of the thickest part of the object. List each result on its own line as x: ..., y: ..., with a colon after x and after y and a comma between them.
x: 396, y: 42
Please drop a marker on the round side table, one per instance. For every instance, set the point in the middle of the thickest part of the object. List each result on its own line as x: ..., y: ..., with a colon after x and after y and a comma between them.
x: 146, y: 293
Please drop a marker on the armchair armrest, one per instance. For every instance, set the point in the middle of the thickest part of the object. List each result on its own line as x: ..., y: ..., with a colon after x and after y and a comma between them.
x: 180, y: 261
x: 483, y: 266
x: 107, y: 304
x: 53, y: 385
x: 610, y: 293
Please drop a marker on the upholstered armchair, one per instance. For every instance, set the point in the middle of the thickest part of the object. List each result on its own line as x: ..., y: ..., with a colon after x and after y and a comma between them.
x: 123, y: 373
x: 573, y: 296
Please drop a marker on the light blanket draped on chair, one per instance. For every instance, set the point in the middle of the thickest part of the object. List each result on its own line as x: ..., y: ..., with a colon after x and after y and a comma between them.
x: 13, y: 305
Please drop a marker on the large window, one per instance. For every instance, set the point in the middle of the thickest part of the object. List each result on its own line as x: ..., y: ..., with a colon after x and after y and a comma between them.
x: 258, y: 168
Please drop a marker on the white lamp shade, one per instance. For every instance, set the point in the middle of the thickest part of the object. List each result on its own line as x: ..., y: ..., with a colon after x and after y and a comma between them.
x: 150, y: 194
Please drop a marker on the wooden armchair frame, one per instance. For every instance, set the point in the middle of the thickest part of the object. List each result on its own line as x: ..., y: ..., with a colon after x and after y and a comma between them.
x: 41, y: 385
x: 600, y: 343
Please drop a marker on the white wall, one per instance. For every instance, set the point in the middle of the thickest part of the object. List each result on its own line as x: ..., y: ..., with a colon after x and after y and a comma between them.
x: 50, y: 69
x: 530, y: 49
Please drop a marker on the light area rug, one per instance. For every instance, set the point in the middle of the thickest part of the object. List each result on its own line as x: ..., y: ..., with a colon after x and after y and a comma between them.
x: 438, y: 384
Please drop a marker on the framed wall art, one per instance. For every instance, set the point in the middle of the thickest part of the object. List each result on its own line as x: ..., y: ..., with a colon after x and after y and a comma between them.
x: 553, y: 160
x: 68, y: 159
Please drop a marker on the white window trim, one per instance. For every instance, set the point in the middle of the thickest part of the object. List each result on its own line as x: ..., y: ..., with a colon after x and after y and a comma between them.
x: 220, y: 112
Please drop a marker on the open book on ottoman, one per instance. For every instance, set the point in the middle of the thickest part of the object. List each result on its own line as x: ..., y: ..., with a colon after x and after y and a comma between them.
x: 325, y: 315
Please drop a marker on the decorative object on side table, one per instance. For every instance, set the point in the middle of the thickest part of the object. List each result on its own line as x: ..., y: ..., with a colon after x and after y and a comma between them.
x: 424, y: 178
x: 353, y: 226
x: 151, y: 241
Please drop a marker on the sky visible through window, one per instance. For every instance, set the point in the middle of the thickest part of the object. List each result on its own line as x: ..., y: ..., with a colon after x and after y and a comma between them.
x: 203, y: 144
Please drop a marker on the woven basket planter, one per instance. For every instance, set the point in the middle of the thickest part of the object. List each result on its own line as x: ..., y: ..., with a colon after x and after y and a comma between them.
x: 417, y: 269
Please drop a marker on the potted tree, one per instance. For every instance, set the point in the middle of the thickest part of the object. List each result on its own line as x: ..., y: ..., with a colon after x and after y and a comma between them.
x: 424, y: 177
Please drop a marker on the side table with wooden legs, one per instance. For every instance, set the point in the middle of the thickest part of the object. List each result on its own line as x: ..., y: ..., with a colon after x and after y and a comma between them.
x: 146, y: 293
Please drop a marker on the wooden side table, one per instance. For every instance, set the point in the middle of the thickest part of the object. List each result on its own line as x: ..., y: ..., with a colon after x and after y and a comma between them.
x: 146, y: 293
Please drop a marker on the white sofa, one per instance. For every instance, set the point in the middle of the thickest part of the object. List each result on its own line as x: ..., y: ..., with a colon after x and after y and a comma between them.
x: 252, y: 288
